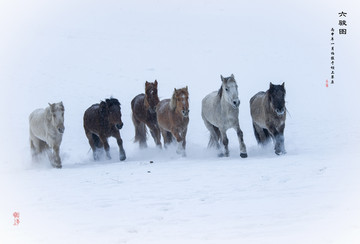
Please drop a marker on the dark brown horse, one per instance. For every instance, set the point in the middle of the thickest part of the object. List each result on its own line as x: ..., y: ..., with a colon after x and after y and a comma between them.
x: 102, y: 121
x: 268, y: 113
x: 173, y: 118
x: 143, y: 108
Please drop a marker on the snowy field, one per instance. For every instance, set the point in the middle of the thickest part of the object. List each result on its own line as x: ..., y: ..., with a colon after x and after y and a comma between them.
x: 81, y: 52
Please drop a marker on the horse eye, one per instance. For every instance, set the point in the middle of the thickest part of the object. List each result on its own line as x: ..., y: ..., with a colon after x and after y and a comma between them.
x: 226, y: 89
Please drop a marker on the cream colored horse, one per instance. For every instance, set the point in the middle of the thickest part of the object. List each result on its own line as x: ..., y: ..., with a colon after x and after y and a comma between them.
x: 46, y: 131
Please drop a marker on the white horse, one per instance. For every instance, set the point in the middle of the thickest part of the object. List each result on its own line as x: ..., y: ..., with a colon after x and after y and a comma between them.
x: 220, y: 112
x: 46, y: 131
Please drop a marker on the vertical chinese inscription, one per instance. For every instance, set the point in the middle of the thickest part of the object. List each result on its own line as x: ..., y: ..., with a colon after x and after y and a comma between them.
x: 332, y: 58
x: 342, y: 23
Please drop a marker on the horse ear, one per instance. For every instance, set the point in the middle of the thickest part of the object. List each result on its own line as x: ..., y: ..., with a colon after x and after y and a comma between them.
x: 52, y: 107
x: 62, y: 106
x: 156, y: 83
x: 187, y: 88
x: 232, y: 76
x: 271, y: 85
x: 146, y: 83
x: 103, y: 106
x: 222, y: 78
x: 283, y: 84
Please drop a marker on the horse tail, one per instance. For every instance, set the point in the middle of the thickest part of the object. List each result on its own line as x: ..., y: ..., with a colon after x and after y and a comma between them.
x: 257, y: 136
x: 97, y: 141
x: 140, y: 131
x: 214, y: 138
x: 262, y: 139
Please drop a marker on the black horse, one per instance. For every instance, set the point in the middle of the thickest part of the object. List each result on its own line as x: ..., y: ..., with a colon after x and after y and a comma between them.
x: 102, y: 121
x: 268, y: 113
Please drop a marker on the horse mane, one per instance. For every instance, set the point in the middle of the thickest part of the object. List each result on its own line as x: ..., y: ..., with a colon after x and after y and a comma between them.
x: 173, y: 101
x: 48, y: 113
x: 220, y: 91
x: 112, y: 101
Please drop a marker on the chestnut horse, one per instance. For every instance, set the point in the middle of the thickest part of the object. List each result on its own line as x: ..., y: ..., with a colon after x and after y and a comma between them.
x: 143, y: 108
x: 173, y: 118
x: 102, y: 121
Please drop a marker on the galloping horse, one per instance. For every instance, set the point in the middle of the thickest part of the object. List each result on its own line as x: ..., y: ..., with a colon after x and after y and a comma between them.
x: 143, y: 108
x: 46, y: 131
x: 268, y: 113
x: 102, y: 121
x: 220, y: 111
x: 173, y: 118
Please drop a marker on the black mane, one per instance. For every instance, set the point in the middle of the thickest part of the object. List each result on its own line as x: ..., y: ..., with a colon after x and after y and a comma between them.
x: 220, y: 92
x: 112, y: 101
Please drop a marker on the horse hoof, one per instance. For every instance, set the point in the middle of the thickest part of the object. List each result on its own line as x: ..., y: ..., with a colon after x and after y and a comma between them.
x: 243, y: 155
x: 221, y: 155
x: 122, y: 157
x: 280, y: 153
x: 57, y: 166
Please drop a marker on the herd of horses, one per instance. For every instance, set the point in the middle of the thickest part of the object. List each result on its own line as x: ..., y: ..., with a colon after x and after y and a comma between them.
x: 169, y: 118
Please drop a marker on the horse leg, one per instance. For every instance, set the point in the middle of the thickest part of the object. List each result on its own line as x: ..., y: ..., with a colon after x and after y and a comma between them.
x: 181, y: 141
x: 56, y: 157
x: 106, y: 146
x: 281, y: 139
x: 167, y: 136
x: 239, y: 133
x: 225, y: 141
x: 278, y: 140
x: 155, y: 133
x: 93, y: 143
x: 214, y: 135
x: 140, y: 132
x: 183, y: 134
x: 119, y: 141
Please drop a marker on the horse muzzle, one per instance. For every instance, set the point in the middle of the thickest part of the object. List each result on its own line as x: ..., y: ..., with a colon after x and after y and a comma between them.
x: 61, y: 130
x: 152, y: 110
x: 119, y: 126
x: 280, y: 112
x: 236, y: 103
x: 185, y: 113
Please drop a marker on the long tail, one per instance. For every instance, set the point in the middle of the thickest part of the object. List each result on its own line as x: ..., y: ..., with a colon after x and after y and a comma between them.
x: 214, y: 139
x: 140, y: 131
x: 263, y: 141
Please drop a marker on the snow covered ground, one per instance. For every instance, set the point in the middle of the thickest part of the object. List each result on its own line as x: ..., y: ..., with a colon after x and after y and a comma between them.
x: 80, y: 52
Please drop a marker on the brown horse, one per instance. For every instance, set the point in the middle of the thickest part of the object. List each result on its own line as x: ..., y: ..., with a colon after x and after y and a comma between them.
x: 102, y: 121
x: 143, y: 108
x: 173, y: 118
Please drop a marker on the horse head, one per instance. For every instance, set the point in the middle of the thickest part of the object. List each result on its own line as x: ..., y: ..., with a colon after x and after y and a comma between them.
x: 276, y: 94
x: 229, y: 91
x: 180, y: 101
x: 111, y: 109
x: 151, y: 96
x: 57, y: 116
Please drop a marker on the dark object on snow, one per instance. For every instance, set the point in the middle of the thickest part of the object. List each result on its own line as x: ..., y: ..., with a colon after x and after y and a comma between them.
x: 268, y: 113
x: 102, y: 121
x: 143, y: 108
